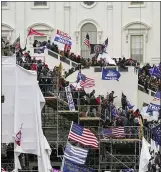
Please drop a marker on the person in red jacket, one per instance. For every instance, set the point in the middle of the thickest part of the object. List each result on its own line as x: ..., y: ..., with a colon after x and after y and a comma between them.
x: 33, y: 67
x: 98, y: 100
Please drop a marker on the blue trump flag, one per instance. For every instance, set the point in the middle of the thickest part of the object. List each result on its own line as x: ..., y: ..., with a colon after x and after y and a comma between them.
x: 110, y: 74
x: 155, y: 103
x: 71, y: 167
x: 156, y: 134
x: 155, y: 71
x: 129, y: 105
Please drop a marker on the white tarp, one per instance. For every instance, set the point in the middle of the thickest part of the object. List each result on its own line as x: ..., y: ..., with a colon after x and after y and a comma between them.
x: 144, y: 156
x: 8, y: 90
x: 22, y: 106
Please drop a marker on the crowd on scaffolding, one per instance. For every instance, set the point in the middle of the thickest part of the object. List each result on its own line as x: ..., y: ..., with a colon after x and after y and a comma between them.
x: 91, y: 105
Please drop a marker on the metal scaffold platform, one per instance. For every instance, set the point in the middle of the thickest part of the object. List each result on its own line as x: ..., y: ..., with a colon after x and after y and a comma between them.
x: 113, y: 154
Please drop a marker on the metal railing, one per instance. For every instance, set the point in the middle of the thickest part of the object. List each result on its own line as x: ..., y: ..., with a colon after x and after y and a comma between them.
x: 148, y: 91
x: 124, y: 132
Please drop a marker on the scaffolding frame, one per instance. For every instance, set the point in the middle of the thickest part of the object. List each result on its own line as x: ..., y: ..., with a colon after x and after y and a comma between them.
x: 56, y: 123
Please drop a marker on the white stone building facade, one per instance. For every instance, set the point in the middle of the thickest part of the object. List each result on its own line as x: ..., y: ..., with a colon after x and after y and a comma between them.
x: 132, y: 28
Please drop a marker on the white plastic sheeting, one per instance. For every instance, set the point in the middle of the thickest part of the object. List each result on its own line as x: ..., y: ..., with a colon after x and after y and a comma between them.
x: 22, y: 106
x: 8, y: 90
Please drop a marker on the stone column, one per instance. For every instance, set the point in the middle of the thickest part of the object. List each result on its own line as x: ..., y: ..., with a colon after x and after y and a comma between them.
x: 67, y: 17
x: 110, y: 28
x: 21, y: 30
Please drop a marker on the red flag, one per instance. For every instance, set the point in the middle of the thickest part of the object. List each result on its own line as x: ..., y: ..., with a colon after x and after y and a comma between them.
x: 34, y: 32
x: 18, y: 138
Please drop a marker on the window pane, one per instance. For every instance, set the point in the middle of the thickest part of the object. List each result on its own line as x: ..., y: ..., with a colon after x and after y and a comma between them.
x: 4, y: 4
x: 92, y: 32
x: 137, y: 2
x: 40, y: 38
x: 40, y: 3
x: 88, y: 2
x: 137, y: 47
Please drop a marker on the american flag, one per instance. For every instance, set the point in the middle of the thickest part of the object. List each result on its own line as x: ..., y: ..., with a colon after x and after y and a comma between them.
x: 117, y: 132
x: 85, y: 82
x: 75, y: 154
x: 86, y: 41
x: 83, y: 136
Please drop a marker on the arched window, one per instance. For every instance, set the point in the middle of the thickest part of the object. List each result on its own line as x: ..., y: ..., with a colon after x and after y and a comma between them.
x: 92, y: 32
x: 6, y: 32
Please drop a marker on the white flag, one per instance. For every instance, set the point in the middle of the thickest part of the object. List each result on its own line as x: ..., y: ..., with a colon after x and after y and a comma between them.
x: 144, y: 156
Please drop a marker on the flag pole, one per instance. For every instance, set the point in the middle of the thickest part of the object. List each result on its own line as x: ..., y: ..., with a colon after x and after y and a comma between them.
x: 63, y: 161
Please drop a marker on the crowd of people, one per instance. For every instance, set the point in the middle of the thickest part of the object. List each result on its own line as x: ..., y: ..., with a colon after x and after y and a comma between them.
x: 6, y: 48
x: 91, y: 105
x: 146, y: 80
x: 154, y: 162
x: 39, y: 47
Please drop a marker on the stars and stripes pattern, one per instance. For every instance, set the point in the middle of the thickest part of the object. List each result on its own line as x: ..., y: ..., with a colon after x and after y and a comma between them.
x: 84, y: 81
x: 82, y: 135
x: 87, y: 83
x: 75, y: 154
x: 117, y: 132
x: 86, y: 41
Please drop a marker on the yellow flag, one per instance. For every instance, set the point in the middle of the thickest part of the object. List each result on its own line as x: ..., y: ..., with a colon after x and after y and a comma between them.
x: 60, y: 69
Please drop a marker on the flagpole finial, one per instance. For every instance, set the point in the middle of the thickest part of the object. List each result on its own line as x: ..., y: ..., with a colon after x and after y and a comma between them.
x: 21, y: 126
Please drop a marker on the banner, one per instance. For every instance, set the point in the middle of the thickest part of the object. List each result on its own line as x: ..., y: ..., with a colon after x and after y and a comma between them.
x: 70, y: 167
x: 153, y: 107
x: 63, y: 38
x: 109, y: 74
x: 155, y: 103
x: 69, y: 98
